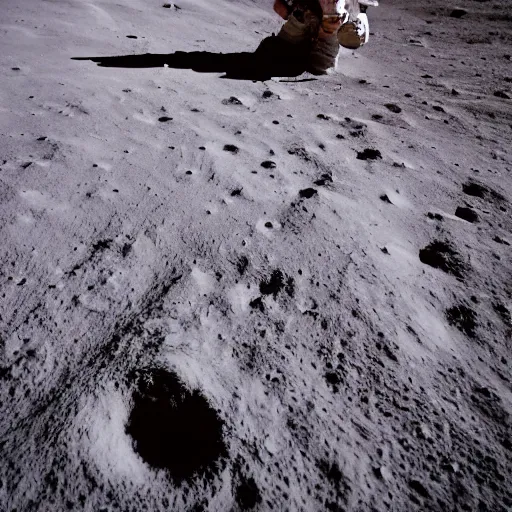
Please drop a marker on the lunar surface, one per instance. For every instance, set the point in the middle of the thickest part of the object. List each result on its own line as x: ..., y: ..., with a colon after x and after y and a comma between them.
x: 225, y: 288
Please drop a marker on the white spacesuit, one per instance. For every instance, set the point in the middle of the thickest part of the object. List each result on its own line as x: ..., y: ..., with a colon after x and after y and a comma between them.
x: 321, y: 26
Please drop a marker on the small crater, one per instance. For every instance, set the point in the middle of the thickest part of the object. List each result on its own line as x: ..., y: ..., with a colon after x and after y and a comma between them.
x: 231, y: 148
x: 504, y: 313
x: 269, y: 94
x: 268, y: 164
x: 247, y: 494
x: 174, y: 428
x: 324, y: 180
x: 417, y: 486
x: 500, y: 240
x: 443, y: 256
x: 393, y: 108
x: 126, y: 249
x: 164, y: 119
x: 369, y: 154
x: 300, y: 152
x: 273, y: 285
x: 132, y: 37
x: 467, y: 214
x: 489, y: 403
x: 242, y: 264
x: 102, y: 245
x: 232, y: 101
x: 290, y: 287
x: 257, y: 304
x: 476, y: 189
x: 308, y: 193
x: 333, y: 379
x: 501, y: 94
x: 463, y: 318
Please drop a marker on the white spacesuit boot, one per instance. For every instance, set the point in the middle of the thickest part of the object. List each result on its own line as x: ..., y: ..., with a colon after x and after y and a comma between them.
x: 355, y: 31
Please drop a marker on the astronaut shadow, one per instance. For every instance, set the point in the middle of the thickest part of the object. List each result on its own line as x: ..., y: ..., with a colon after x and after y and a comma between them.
x: 272, y: 58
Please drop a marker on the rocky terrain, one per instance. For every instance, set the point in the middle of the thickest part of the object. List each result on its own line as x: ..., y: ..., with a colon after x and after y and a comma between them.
x: 244, y: 293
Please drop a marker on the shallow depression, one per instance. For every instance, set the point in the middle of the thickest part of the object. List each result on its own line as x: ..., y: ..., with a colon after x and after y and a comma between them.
x: 173, y: 427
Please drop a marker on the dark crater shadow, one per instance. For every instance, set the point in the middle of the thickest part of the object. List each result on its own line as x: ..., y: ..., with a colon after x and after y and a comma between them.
x: 175, y: 428
x: 273, y: 57
x: 464, y: 318
x: 443, y: 256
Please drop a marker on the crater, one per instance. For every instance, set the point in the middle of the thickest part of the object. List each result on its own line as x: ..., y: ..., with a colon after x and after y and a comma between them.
x: 443, y: 256
x: 175, y: 428
x: 463, y: 318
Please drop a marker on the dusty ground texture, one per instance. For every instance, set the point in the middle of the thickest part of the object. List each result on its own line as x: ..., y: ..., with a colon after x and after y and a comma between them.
x: 220, y: 294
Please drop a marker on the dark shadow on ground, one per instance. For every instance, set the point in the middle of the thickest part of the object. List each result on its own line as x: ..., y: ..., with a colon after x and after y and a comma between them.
x: 273, y: 57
